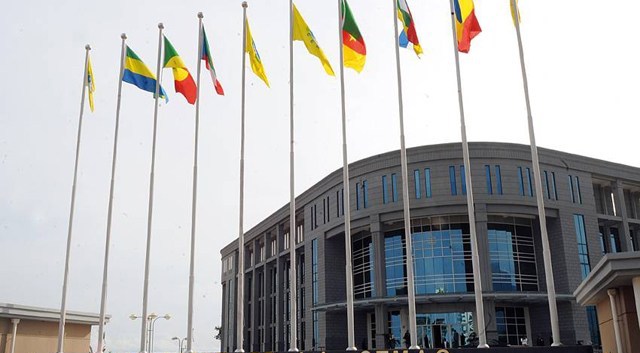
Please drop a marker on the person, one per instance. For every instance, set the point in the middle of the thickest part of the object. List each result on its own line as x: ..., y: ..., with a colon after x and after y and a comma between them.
x: 407, y: 339
x: 388, y: 338
x: 426, y: 341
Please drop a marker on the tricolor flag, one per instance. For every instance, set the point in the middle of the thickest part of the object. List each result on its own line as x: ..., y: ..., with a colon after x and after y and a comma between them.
x: 91, y: 84
x: 302, y: 32
x: 408, y: 29
x: 355, y: 51
x: 467, y: 26
x: 182, y: 78
x: 254, y: 56
x: 206, y: 56
x: 513, y: 4
x: 139, y: 75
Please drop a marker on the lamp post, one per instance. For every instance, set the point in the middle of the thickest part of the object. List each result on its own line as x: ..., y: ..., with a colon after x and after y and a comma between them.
x: 180, y: 342
x: 151, y: 320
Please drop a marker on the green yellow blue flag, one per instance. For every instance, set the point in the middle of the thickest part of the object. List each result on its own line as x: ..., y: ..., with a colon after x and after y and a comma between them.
x: 139, y: 75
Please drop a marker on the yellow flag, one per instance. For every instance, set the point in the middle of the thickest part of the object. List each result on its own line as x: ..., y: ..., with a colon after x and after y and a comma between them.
x: 90, y: 83
x: 302, y: 32
x: 254, y: 56
x: 514, y: 11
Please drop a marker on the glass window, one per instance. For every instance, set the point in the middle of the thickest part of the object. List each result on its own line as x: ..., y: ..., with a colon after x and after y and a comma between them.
x: 571, y: 192
x: 363, y: 267
x: 520, y: 181
x: 614, y: 238
x: 316, y: 332
x: 594, y: 327
x: 463, y: 180
x: 511, y: 325
x: 512, y: 254
x: 314, y: 271
x: 287, y: 241
x: 394, y: 187
x: 427, y: 182
x: 365, y: 194
x: 578, y: 190
x: 338, y: 204
x: 546, y: 185
x: 530, y: 182
x: 583, y: 249
x: 452, y: 180
x: 357, y: 196
x: 385, y: 197
x: 487, y: 169
x: 327, y: 212
x: 416, y: 182
x: 553, y: 184
x: 498, y: 180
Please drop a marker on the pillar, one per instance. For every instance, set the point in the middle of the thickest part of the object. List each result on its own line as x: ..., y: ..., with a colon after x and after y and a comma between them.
x: 14, y: 322
x: 614, y: 317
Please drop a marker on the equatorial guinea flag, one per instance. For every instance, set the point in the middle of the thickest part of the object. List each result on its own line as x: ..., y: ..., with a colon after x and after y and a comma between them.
x: 183, y: 80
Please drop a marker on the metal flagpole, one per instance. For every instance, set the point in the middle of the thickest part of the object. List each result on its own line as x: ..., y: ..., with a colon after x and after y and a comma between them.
x: 105, y: 272
x: 240, y: 305
x: 345, y: 184
x: 145, y: 293
x: 477, y: 281
x: 293, y: 291
x: 63, y: 305
x: 546, y: 250
x: 192, y: 263
x: 413, y: 330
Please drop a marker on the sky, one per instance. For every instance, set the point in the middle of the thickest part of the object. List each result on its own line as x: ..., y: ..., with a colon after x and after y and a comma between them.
x: 583, y: 74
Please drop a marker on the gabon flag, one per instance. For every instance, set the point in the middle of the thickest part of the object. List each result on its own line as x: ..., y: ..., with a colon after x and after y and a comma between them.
x: 467, y: 26
x: 182, y: 78
x: 139, y: 75
x: 355, y: 51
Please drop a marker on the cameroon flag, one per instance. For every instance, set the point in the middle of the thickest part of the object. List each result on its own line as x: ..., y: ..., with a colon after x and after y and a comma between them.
x: 355, y: 52
x: 183, y: 80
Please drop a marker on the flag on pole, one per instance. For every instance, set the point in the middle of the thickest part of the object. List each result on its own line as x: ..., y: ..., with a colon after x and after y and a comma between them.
x: 254, y: 56
x: 182, y: 78
x: 90, y: 83
x: 467, y: 26
x: 139, y: 75
x: 206, y: 56
x: 514, y: 10
x: 302, y: 32
x: 409, y: 29
x: 355, y: 51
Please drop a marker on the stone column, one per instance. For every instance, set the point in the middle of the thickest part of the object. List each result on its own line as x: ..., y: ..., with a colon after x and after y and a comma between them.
x: 614, y: 317
x: 636, y: 294
x: 14, y: 322
x: 621, y: 208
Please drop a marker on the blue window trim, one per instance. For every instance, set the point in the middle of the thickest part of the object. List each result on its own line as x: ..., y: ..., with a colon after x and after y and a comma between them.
x: 427, y: 182
x: 487, y: 169
x: 394, y: 187
x: 463, y: 180
x: 498, y: 180
x: 417, y: 182
x: 452, y: 180
x: 521, y: 181
x: 385, y: 197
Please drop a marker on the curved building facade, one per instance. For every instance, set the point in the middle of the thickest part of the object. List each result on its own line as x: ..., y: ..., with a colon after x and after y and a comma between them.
x: 591, y: 207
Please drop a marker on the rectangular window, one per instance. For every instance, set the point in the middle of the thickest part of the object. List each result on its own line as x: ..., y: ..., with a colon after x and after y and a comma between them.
x: 583, y: 249
x: 385, y: 197
x: 427, y: 182
x: 487, y: 169
x: 546, y: 185
x: 521, y: 181
x: 357, y: 196
x: 498, y: 180
x: 342, y: 201
x: 274, y: 247
x: 394, y: 187
x: 463, y: 180
x: 530, y: 181
x: 315, y: 216
x: 299, y: 233
x: 417, y: 182
x: 553, y: 185
x: 314, y: 271
x: 324, y: 211
x: 578, y: 190
x: 312, y: 217
x: 262, y: 253
x: 452, y: 180
x: 365, y: 194
x: 328, y: 210
x: 571, y: 191
x: 338, y: 204
x: 287, y: 241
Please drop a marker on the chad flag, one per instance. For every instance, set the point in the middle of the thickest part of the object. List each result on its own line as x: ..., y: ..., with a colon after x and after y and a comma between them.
x: 183, y: 80
x: 467, y: 26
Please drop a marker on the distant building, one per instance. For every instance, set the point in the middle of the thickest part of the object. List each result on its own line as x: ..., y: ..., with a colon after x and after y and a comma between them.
x: 592, y: 208
x: 26, y: 329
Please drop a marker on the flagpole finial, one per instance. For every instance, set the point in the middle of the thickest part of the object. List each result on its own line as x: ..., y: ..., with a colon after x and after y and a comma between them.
x: 244, y: 4
x: 123, y: 36
x: 88, y: 47
x: 200, y: 15
x: 160, y: 25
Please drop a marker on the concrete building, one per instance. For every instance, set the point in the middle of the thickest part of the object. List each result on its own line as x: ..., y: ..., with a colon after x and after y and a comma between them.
x: 592, y: 208
x: 25, y: 329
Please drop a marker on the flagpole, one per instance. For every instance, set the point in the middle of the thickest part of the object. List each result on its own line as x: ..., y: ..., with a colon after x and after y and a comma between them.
x: 413, y: 330
x: 145, y: 293
x: 293, y: 344
x: 103, y: 299
x: 546, y: 249
x: 345, y: 185
x: 63, y: 305
x: 477, y: 281
x: 195, y: 194
x: 240, y: 312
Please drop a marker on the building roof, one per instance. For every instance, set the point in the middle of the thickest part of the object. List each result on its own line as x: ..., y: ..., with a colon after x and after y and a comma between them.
x: 613, y: 271
x: 14, y: 311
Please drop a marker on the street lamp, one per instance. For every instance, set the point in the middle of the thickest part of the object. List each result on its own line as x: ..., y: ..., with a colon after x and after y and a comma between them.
x: 151, y: 320
x: 180, y: 342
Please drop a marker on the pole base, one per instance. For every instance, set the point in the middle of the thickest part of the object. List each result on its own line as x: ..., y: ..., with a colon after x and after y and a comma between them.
x: 293, y: 349
x: 351, y: 349
x: 484, y: 345
x: 414, y: 347
x: 554, y: 344
x: 239, y: 350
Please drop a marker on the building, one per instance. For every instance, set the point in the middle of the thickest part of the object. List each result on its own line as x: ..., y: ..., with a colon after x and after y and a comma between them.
x: 26, y: 329
x: 592, y: 208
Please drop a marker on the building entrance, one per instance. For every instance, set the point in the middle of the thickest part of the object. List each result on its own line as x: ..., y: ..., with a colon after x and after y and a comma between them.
x: 444, y: 330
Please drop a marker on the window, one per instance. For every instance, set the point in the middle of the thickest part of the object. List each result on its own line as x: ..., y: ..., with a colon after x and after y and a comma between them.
x: 487, y: 169
x: 530, y: 182
x: 394, y: 187
x: 363, y: 267
x: 427, y: 182
x: 578, y: 190
x: 521, y: 181
x: 512, y: 254
x: 553, y: 184
x: 583, y: 249
x: 365, y: 194
x: 287, y: 241
x: 416, y: 182
x: 357, y: 196
x: 498, y: 180
x: 594, y: 327
x: 299, y: 233
x: 274, y: 246
x: 571, y: 191
x: 511, y: 325
x: 326, y: 212
x: 262, y: 252
x: 546, y: 185
x: 313, y: 217
x: 452, y: 180
x: 316, y: 332
x: 314, y: 271
x: 463, y: 180
x: 385, y: 197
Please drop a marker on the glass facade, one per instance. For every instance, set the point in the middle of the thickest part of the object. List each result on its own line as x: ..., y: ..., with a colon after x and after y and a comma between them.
x: 452, y: 180
x: 512, y: 254
x: 394, y: 187
x: 487, y: 169
x: 511, y: 325
x: 583, y: 249
x: 365, y: 194
x: 385, y: 195
x: 363, y: 267
x: 463, y: 180
x: 427, y: 182
x: 441, y: 253
x: 498, y: 180
x: 416, y: 182
x: 529, y: 182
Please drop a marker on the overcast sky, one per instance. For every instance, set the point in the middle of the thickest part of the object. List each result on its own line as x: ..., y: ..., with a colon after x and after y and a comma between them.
x: 581, y: 58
